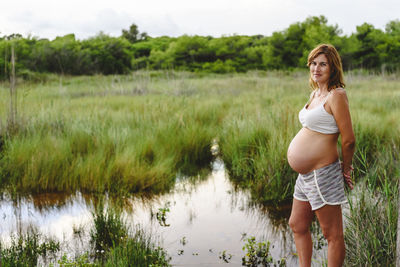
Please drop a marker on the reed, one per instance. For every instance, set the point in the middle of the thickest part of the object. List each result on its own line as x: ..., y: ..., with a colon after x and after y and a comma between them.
x: 109, y: 230
x: 109, y: 143
x: 115, y: 243
x: 135, y: 133
x: 28, y: 249
x: 140, y: 250
x: 372, y: 219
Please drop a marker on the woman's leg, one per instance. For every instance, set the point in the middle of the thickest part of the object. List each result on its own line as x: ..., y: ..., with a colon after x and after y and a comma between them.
x: 330, y: 220
x: 300, y: 221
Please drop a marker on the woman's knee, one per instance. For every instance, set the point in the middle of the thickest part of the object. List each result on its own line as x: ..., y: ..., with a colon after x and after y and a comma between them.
x: 330, y: 220
x: 298, y: 226
x: 333, y: 234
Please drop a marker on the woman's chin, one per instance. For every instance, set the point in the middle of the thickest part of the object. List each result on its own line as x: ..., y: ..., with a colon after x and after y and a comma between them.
x: 319, y: 79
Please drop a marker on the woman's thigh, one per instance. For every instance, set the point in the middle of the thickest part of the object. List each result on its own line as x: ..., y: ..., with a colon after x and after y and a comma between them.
x: 301, y: 215
x: 331, y: 220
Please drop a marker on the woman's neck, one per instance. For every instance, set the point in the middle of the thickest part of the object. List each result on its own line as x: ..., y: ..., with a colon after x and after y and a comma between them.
x: 323, y: 87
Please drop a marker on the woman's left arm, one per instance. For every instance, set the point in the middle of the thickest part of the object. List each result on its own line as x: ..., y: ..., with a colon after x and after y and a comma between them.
x: 340, y: 109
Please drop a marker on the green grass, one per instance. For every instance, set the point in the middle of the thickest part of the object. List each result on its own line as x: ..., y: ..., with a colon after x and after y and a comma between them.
x: 138, y: 251
x: 113, y: 243
x: 371, y: 228
x: 73, y: 138
x: 373, y: 213
x: 26, y: 249
x: 109, y: 230
x: 135, y: 133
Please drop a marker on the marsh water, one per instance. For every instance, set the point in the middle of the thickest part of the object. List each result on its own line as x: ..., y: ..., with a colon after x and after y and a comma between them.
x: 205, y: 221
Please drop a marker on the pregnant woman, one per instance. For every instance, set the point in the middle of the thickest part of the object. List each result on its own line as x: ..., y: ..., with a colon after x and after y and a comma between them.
x: 313, y: 153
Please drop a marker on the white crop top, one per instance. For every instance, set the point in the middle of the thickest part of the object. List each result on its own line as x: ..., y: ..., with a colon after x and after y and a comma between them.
x: 318, y: 119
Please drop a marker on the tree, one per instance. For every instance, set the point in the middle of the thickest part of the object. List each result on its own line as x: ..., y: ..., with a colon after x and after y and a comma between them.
x: 372, y: 46
x: 392, y: 59
x: 133, y: 35
x: 317, y: 31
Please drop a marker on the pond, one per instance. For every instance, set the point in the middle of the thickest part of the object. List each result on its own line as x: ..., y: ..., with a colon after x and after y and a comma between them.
x: 203, y: 221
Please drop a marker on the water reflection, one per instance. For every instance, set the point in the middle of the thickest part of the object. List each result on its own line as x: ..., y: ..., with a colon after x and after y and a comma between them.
x: 202, y: 219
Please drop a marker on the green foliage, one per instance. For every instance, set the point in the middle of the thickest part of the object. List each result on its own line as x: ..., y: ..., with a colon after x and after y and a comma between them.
x: 138, y: 251
x: 392, y: 54
x: 114, y: 245
x: 81, y: 261
x: 372, y: 219
x: 109, y: 230
x: 372, y: 46
x: 162, y: 215
x: 132, y: 35
x: 107, y: 55
x: 128, y: 142
x: 258, y: 254
x: 368, y: 48
x: 255, y: 136
x: 136, y: 132
x: 27, y: 249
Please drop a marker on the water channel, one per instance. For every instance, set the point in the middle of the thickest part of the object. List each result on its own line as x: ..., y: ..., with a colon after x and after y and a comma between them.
x: 208, y: 222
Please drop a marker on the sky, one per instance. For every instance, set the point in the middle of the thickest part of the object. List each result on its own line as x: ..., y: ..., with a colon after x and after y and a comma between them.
x: 86, y: 18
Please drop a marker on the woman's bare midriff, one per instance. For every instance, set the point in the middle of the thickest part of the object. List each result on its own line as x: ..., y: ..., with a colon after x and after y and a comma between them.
x: 310, y: 150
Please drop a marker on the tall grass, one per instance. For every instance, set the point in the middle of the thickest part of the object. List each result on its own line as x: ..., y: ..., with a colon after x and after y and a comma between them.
x: 28, y: 249
x: 374, y: 206
x: 256, y: 134
x: 138, y: 250
x: 75, y: 139
x: 371, y: 228
x: 109, y: 230
x: 134, y: 133
x: 113, y: 243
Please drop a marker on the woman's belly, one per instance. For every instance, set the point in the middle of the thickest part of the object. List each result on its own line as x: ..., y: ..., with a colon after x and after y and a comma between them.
x: 311, y: 150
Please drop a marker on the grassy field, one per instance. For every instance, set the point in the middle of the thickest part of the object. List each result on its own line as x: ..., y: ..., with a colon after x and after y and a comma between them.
x: 97, y: 134
x: 138, y: 132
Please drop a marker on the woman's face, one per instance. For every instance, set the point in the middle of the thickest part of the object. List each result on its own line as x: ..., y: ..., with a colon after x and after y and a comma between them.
x: 319, y: 69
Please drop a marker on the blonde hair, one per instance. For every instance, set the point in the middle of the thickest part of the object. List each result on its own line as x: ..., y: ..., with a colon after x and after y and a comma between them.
x: 335, y: 64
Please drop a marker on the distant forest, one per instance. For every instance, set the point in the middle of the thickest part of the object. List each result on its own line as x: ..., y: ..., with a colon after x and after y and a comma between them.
x: 367, y: 48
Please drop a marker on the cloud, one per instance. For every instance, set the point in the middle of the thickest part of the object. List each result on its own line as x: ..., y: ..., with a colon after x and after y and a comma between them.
x: 158, y: 26
x: 49, y: 19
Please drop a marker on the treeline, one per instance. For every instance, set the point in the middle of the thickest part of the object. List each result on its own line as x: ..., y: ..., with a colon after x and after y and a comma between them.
x: 367, y: 48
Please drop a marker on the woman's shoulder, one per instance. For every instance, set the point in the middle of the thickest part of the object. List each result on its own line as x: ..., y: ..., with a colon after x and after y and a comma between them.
x: 338, y: 90
x: 338, y: 95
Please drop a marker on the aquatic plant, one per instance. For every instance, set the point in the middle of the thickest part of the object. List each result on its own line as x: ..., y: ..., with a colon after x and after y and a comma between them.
x: 372, y: 219
x: 109, y: 230
x: 81, y: 261
x: 134, y: 133
x: 162, y: 214
x: 226, y: 257
x: 126, y: 143
x: 138, y: 250
x: 26, y: 249
x: 258, y: 254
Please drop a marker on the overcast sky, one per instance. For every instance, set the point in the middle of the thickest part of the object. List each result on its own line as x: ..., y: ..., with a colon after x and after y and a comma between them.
x: 85, y: 18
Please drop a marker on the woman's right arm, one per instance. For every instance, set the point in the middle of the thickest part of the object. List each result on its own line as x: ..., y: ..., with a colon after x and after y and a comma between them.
x: 341, y: 112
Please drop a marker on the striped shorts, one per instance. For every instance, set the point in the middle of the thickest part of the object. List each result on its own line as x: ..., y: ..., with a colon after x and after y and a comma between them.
x: 324, y: 186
